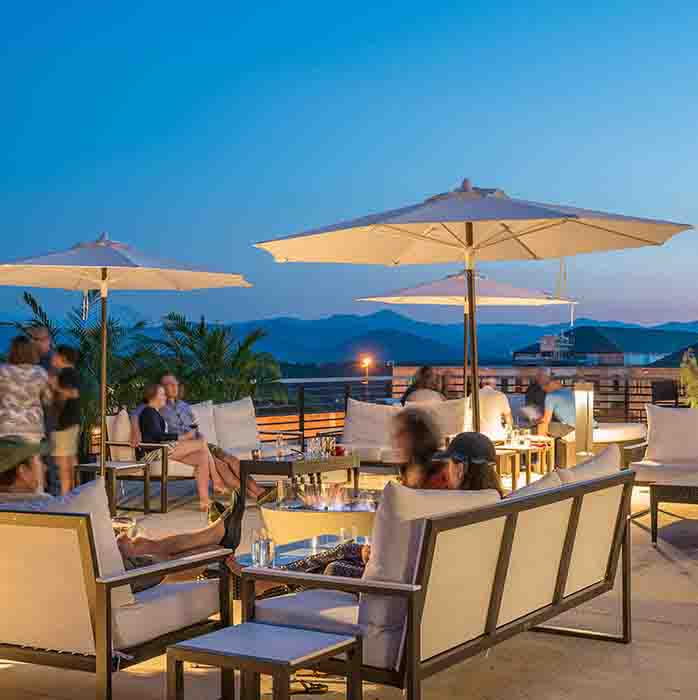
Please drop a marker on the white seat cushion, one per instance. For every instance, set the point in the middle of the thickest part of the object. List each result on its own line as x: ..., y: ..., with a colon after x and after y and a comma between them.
x: 203, y: 415
x: 672, y: 434
x: 605, y: 433
x: 549, y: 481
x: 174, y: 468
x: 649, y: 470
x: 236, y: 424
x: 334, y: 612
x: 165, y: 608
x: 397, y: 538
x: 605, y: 463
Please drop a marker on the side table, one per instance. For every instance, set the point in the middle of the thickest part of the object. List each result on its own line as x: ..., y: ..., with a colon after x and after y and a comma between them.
x: 112, y: 469
x: 254, y: 649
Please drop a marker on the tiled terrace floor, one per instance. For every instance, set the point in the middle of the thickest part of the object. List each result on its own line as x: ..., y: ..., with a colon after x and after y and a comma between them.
x: 661, y: 662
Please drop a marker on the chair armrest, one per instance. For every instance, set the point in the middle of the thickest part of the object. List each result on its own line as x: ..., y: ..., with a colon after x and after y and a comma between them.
x: 112, y: 443
x: 636, y: 446
x: 336, y: 583
x: 169, y: 567
x: 154, y: 445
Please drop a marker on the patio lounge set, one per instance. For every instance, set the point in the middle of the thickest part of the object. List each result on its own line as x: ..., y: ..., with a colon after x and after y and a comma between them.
x: 413, y: 613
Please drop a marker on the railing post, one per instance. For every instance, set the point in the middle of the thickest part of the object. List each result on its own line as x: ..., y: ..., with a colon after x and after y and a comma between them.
x: 301, y: 415
x: 347, y: 394
x: 627, y: 400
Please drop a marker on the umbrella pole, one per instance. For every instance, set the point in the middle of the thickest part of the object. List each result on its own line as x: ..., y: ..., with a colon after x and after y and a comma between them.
x: 103, y: 379
x: 470, y: 281
x: 465, y: 350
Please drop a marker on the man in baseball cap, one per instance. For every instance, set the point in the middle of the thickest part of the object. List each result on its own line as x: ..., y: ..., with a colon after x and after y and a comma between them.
x: 17, y: 472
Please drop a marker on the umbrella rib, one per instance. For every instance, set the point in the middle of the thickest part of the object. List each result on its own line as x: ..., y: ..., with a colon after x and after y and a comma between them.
x: 417, y: 236
x: 535, y: 229
x: 622, y: 235
x: 460, y: 240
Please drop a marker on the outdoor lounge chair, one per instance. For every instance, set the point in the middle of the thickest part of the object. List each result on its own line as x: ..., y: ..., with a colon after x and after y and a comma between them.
x: 231, y: 426
x: 671, y: 448
x: 68, y: 598
x: 527, y: 559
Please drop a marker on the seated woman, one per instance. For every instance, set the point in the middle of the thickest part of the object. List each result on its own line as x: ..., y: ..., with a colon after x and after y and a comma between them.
x: 427, y: 386
x: 194, y: 452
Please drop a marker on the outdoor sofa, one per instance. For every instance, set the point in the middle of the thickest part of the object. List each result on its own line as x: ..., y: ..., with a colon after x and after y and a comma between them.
x: 68, y: 601
x: 231, y: 426
x: 452, y: 574
x: 368, y: 427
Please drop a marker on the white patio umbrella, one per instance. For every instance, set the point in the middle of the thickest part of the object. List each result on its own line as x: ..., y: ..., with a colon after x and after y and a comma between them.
x: 449, y: 291
x: 466, y: 225
x: 108, y: 265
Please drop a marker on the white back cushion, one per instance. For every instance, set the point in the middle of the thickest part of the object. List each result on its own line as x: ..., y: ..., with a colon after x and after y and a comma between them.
x: 458, y: 594
x: 493, y: 405
x: 119, y: 430
x: 236, y: 424
x: 42, y: 585
x: 449, y: 416
x: 424, y: 395
x: 545, y: 483
x: 397, y: 539
x: 672, y: 434
x: 532, y: 574
x: 605, y: 463
x: 203, y: 415
x: 91, y: 499
x: 369, y: 424
x: 592, y: 544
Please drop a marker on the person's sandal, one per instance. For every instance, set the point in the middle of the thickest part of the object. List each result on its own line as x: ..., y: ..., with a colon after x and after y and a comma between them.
x: 215, y: 511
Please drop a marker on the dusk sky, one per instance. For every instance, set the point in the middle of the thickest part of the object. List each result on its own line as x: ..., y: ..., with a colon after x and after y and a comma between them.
x: 192, y: 131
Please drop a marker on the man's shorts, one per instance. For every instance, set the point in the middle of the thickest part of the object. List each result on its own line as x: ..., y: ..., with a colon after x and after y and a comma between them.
x: 64, y: 443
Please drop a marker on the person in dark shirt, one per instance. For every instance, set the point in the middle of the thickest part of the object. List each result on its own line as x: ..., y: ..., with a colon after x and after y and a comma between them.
x: 65, y: 436
x: 534, y: 408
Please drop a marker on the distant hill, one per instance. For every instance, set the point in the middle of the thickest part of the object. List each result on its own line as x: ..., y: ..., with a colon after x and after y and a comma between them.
x: 388, y: 335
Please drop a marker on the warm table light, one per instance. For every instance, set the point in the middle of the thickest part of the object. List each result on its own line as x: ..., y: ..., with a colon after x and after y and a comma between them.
x: 584, y: 405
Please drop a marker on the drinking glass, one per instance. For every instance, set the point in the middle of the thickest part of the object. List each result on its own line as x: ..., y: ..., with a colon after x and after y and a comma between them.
x: 280, y: 446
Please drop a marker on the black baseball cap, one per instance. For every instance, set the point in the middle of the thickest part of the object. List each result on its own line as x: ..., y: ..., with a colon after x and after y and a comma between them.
x: 469, y: 447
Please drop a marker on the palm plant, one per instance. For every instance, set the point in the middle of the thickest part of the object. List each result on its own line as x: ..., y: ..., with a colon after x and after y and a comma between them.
x: 212, y: 363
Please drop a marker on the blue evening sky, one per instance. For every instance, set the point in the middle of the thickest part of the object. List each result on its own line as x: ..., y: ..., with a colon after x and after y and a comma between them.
x: 192, y: 130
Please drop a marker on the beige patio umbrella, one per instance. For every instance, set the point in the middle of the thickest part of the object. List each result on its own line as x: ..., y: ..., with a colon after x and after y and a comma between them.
x: 107, y: 265
x: 449, y: 291
x: 469, y: 224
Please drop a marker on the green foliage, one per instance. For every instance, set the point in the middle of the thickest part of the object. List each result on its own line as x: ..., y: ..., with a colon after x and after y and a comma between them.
x: 209, y: 361
x: 212, y: 363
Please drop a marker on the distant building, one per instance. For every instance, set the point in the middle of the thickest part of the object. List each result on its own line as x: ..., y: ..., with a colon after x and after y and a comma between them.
x: 597, y: 345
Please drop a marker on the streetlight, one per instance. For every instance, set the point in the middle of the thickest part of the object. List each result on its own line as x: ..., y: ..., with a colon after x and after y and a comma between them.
x: 366, y: 362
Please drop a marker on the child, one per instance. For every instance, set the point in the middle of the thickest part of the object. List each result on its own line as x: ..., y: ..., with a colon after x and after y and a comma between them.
x: 65, y: 437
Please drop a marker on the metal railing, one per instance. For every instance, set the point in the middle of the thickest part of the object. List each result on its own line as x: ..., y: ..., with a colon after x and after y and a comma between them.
x: 312, y: 406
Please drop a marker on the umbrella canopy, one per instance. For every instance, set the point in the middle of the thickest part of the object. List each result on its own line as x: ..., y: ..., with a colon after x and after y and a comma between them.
x: 81, y: 268
x: 503, y: 228
x: 467, y: 224
x: 448, y: 291
x: 105, y: 264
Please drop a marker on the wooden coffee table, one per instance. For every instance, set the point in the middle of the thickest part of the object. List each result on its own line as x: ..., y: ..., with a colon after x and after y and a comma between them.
x: 682, y: 489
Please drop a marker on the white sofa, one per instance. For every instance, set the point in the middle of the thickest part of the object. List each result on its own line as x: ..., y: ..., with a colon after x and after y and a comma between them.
x: 368, y: 427
x: 672, y: 445
x: 83, y: 614
x: 453, y: 573
x: 231, y: 426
